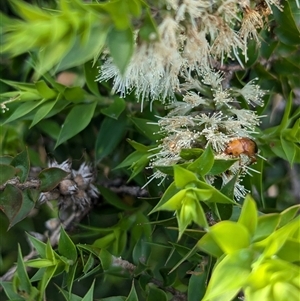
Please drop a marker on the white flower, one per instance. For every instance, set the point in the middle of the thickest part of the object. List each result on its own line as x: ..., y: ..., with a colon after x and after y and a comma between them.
x: 218, y: 140
x: 154, y: 67
x: 211, y: 122
x: 190, y: 101
x: 212, y: 78
x: 229, y: 11
x: 194, y: 9
x: 196, y: 50
x: 252, y: 93
x: 226, y: 42
x: 249, y: 119
x: 252, y: 21
x: 222, y: 97
x: 172, y: 124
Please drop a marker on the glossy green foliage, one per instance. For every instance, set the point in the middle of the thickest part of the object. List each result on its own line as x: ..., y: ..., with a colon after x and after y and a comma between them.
x: 250, y: 259
x: 183, y: 237
x: 188, y: 191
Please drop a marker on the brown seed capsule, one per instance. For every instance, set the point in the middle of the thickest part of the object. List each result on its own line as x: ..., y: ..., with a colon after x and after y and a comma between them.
x: 240, y: 146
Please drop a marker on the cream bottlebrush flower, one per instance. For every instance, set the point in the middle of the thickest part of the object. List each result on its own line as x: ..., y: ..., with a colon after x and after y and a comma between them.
x: 196, y: 50
x: 226, y: 42
x: 229, y: 11
x: 217, y: 122
x: 248, y: 119
x: 153, y: 69
x: 192, y: 10
x: 217, y: 140
x: 170, y: 147
x: 190, y: 101
x: 252, y: 93
x: 235, y: 127
x: 252, y: 21
x: 174, y: 124
x: 222, y: 97
x: 212, y: 78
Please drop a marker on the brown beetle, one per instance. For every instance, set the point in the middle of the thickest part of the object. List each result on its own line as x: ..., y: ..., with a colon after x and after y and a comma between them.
x: 240, y: 146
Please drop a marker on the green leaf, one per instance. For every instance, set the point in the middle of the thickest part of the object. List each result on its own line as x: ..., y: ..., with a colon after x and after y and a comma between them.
x: 155, y: 294
x: 51, y: 55
x: 287, y: 31
x: 24, y: 284
x: 78, y: 119
x: 23, y: 109
x: 290, y: 251
x: 70, y: 277
x: 220, y: 166
x: 288, y: 214
x: 20, y: 86
x: 7, y: 173
x: 115, y: 109
x: 89, y: 263
x: 208, y: 245
x: 289, y: 149
x: 51, y: 177
x: 266, y: 225
x: 89, y: 295
x: 74, y: 94
x: 110, y: 134
x: 120, y: 44
x: 132, y: 294
x: 131, y: 160
x: 22, y: 164
x: 191, y: 153
x: 45, y: 92
x: 47, y: 276
x: 276, y: 240
x: 11, y: 201
x: 106, y: 259
x: 204, y: 163
x: 5, y: 160
x: 140, y: 147
x: 40, y: 263
x: 223, y: 234
x: 30, y: 196
x: 29, y: 12
x: 50, y: 254
x: 229, y: 276
x: 91, y: 72
x: 248, y: 216
x: 10, y: 291
x: 197, y: 284
x: 147, y: 128
x: 43, y: 111
x: 66, y: 246
x: 68, y: 295
x: 113, y: 199
x: 38, y: 245
x: 83, y: 52
x: 185, y: 254
x: 184, y: 177
x: 217, y: 196
x: 172, y: 191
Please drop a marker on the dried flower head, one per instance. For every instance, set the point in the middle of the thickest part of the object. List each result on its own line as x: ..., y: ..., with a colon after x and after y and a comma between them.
x: 76, y: 191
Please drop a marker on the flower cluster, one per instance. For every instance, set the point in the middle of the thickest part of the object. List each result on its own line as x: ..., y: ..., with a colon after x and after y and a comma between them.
x: 76, y: 191
x: 200, y: 121
x: 191, y: 36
